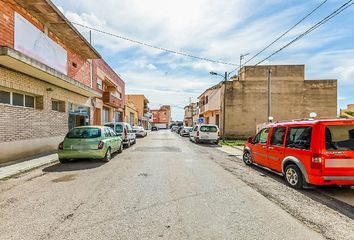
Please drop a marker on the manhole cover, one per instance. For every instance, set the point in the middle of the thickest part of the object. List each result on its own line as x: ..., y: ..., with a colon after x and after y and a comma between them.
x: 157, y: 149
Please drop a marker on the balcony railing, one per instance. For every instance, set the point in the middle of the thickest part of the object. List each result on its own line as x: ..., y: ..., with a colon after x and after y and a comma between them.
x: 111, y: 100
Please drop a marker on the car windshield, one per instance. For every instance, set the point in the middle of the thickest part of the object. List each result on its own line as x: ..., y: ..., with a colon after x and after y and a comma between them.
x: 340, y: 137
x: 208, y: 129
x: 118, y: 128
x: 84, y: 133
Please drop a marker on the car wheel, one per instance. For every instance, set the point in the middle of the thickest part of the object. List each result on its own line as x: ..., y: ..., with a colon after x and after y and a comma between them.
x: 128, y: 145
x: 196, y: 140
x: 293, y: 176
x: 134, y: 141
x: 217, y: 142
x: 63, y: 160
x: 108, y: 156
x: 120, y: 148
x: 247, y: 158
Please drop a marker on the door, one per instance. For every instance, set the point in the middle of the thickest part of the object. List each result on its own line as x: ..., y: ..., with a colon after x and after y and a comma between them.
x: 105, y: 115
x: 114, y: 138
x: 260, y: 148
x: 276, y: 148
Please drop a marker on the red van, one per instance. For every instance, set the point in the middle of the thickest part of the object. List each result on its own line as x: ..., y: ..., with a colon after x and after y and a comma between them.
x: 317, y: 152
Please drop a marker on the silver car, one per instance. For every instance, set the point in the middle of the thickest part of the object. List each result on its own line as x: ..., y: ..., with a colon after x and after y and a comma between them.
x: 139, y: 131
x: 125, y: 131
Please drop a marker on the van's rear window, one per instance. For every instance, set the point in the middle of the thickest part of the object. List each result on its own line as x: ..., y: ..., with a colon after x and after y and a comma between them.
x: 208, y: 129
x: 119, y: 128
x: 84, y: 133
x: 340, y: 137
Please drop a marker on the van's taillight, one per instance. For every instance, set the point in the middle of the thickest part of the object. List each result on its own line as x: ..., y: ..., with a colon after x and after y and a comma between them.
x: 100, y: 145
x: 316, y: 161
x: 125, y: 133
x: 197, y: 133
x: 61, y: 146
x: 218, y: 134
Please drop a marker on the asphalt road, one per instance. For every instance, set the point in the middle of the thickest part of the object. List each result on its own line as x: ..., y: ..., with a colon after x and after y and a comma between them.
x: 164, y: 187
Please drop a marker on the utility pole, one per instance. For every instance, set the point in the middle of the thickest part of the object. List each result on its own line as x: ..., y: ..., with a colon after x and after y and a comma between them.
x: 269, y: 93
x: 90, y: 37
x: 224, y: 109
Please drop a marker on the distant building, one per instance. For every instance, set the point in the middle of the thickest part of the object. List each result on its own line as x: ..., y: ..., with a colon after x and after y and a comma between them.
x: 131, y: 114
x: 349, y: 112
x: 161, y: 117
x: 189, y: 113
x: 209, y: 105
x: 293, y: 97
x: 141, y: 104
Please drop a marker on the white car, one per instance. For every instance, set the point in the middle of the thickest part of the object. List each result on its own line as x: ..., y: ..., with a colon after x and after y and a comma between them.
x: 139, y: 131
x: 209, y: 133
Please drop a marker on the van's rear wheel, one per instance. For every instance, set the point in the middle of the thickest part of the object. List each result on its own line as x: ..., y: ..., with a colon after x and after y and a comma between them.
x: 293, y: 176
x: 247, y: 158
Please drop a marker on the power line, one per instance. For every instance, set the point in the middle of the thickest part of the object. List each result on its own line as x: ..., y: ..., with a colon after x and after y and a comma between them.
x: 282, y: 35
x: 318, y: 24
x: 156, y: 47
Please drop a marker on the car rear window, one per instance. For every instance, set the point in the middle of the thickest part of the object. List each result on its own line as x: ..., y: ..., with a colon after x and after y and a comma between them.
x: 118, y: 129
x: 84, y: 133
x: 339, y: 137
x: 299, y: 137
x: 208, y: 129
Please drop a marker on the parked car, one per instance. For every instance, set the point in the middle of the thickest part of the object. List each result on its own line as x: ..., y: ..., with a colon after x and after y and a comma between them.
x: 153, y: 128
x: 125, y: 131
x: 185, y: 132
x: 205, y: 133
x: 179, y: 129
x: 95, y: 142
x: 174, y: 128
x: 317, y: 152
x: 139, y: 131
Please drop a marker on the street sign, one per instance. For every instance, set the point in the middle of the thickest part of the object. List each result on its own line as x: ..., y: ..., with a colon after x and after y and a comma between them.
x: 201, y: 120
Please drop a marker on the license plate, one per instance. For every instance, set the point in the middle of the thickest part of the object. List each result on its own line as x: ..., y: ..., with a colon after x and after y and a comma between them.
x: 79, y: 147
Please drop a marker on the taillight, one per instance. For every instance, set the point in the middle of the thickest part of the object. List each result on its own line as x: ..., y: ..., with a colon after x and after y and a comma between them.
x: 218, y: 134
x: 125, y: 133
x: 100, y: 145
x: 316, y: 161
x: 61, y: 146
x: 197, y: 133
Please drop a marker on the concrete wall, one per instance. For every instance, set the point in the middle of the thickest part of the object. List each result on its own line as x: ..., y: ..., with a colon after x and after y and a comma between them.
x: 292, y: 98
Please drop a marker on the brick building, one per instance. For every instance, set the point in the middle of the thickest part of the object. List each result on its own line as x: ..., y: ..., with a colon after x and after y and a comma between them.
x: 51, y: 79
x: 110, y: 107
x: 161, y: 117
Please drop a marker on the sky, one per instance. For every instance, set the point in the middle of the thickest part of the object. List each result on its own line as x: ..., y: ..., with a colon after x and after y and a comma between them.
x: 219, y: 30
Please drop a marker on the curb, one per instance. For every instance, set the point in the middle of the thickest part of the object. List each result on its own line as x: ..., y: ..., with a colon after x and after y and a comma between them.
x: 11, y: 170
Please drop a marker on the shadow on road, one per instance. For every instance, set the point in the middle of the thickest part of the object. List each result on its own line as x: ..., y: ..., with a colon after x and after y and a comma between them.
x: 209, y: 145
x: 82, y: 164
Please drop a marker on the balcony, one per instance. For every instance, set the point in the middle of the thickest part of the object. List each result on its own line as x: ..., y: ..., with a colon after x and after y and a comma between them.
x: 111, y: 100
x: 202, y: 109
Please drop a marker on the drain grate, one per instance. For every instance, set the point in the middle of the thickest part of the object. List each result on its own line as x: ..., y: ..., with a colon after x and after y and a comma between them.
x: 157, y: 149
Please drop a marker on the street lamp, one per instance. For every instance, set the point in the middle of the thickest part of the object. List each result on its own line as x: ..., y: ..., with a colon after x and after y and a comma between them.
x: 242, y: 57
x: 224, y: 105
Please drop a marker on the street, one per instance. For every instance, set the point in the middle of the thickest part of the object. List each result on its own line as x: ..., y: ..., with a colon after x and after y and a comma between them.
x: 164, y: 187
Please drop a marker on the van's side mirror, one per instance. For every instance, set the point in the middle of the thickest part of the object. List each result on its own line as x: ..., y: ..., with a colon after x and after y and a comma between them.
x: 250, y: 140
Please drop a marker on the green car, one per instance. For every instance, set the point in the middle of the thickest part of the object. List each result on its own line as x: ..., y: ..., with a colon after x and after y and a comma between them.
x: 95, y: 142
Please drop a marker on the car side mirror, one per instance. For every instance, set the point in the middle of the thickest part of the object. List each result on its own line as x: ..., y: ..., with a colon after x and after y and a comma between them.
x: 250, y: 140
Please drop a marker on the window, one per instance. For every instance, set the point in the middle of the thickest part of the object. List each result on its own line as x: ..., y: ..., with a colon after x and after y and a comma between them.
x: 340, y: 137
x: 84, y: 133
x: 208, y: 129
x: 206, y: 100
x: 29, y: 101
x: 262, y: 136
x: 17, y: 99
x: 299, y: 137
x: 99, y: 83
x: 55, y: 105
x: 278, y: 136
x: 107, y: 133
x: 113, y: 134
x: 196, y: 128
x: 5, y: 97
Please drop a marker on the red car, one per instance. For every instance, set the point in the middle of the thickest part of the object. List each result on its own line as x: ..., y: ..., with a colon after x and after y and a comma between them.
x: 306, y: 152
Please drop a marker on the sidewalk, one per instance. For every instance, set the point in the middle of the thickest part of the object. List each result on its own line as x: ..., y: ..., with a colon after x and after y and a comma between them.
x: 234, y: 151
x: 11, y: 170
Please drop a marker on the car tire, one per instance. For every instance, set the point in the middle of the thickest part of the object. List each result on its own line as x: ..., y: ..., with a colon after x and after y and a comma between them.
x: 247, y: 158
x: 196, y: 140
x: 134, y: 141
x: 61, y: 160
x: 108, y: 156
x: 217, y: 142
x: 293, y: 176
x: 120, y: 150
x: 127, y: 145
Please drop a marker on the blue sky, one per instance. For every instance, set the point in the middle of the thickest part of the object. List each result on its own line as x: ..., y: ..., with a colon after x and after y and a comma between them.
x: 219, y: 30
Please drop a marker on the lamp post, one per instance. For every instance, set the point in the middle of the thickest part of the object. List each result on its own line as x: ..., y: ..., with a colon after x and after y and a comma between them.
x: 242, y: 57
x: 224, y: 103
